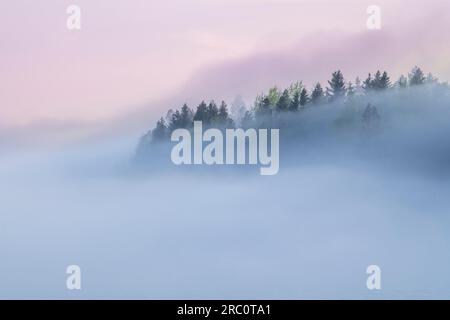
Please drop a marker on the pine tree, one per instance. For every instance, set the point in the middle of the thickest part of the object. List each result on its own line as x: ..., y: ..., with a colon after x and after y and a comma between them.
x: 402, y: 82
x: 175, y: 121
x: 201, y: 114
x: 304, y: 97
x: 223, y: 118
x: 264, y: 107
x: 160, y: 132
x: 317, y: 95
x: 284, y: 101
x: 213, y: 111
x: 186, y: 116
x: 381, y: 81
x: 294, y: 89
x: 376, y: 82
x: 368, y: 83
x: 295, y: 103
x: 337, y: 86
x: 370, y: 117
x: 273, y: 96
x: 416, y: 77
x: 385, y: 81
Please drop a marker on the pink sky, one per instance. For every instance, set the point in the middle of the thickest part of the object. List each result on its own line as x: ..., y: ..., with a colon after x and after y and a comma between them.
x: 137, y: 53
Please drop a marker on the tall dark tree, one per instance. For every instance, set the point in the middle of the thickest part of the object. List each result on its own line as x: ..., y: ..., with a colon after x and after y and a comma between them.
x: 264, y: 107
x: 336, y: 85
x: 376, y: 82
x: 201, y: 114
x: 317, y: 95
x: 160, y: 132
x: 186, y: 116
x: 370, y: 117
x: 368, y: 83
x: 402, y: 82
x: 304, y: 97
x: 295, y: 103
x: 212, y: 112
x: 381, y: 81
x: 175, y: 121
x: 416, y: 77
x: 223, y: 118
x: 385, y: 81
x: 284, y: 101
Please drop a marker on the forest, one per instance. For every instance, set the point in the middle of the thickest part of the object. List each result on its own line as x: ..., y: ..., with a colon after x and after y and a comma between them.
x: 342, y: 111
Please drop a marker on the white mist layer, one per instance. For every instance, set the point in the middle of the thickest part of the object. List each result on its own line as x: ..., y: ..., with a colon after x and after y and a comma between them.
x: 182, y: 233
x: 309, y: 232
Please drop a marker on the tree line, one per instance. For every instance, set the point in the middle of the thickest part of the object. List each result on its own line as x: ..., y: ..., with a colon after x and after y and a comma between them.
x: 292, y: 99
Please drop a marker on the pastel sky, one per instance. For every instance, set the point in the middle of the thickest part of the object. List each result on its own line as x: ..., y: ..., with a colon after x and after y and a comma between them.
x: 141, y: 53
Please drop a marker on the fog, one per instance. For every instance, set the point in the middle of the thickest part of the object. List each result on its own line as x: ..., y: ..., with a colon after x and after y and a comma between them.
x: 341, y: 201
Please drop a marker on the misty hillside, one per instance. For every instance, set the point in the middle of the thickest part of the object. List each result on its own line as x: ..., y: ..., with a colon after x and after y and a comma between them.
x: 375, y: 119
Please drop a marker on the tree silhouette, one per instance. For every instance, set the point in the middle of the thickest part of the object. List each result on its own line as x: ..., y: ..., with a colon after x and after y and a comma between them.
x: 336, y: 86
x: 370, y: 117
x: 304, y: 97
x: 223, y: 118
x: 160, y: 132
x: 295, y: 103
x: 416, y: 77
x: 284, y: 101
x: 201, y: 113
x: 317, y: 95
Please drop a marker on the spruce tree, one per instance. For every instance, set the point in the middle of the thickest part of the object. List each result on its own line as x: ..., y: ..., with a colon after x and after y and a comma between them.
x: 385, y: 81
x: 416, y: 77
x: 284, y: 101
x: 304, y: 97
x: 336, y: 85
x: 295, y: 103
x: 402, y: 82
x: 201, y: 114
x: 186, y: 116
x: 160, y: 132
x: 212, y: 112
x: 223, y: 118
x: 376, y: 82
x: 368, y: 83
x: 317, y: 95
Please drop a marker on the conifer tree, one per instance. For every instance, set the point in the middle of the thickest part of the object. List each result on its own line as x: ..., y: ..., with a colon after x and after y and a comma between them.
x: 385, y: 81
x: 402, y: 82
x: 284, y: 101
x: 186, y: 116
x: 416, y: 77
x: 295, y: 103
x: 212, y: 112
x: 317, y: 95
x: 223, y: 117
x: 304, y: 97
x: 201, y: 114
x: 160, y: 132
x: 368, y: 83
x: 336, y: 86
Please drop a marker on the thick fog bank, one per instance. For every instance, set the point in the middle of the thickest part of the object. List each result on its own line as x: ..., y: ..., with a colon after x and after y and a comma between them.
x: 308, y: 232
